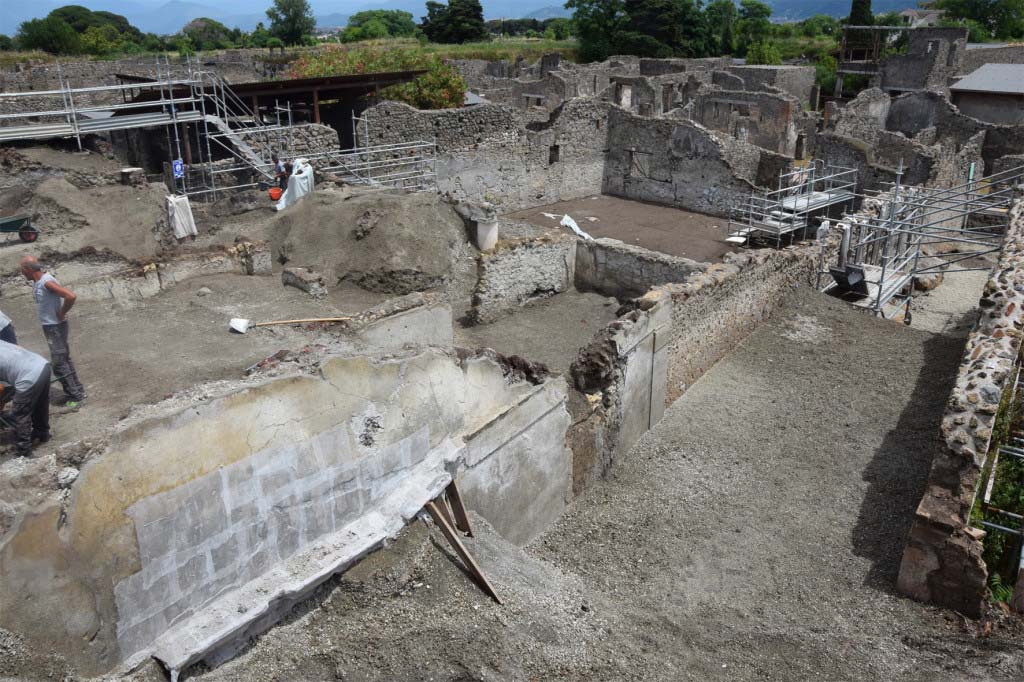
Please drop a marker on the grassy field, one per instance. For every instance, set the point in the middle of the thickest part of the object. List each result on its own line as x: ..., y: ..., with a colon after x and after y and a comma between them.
x: 10, y: 58
x: 530, y: 49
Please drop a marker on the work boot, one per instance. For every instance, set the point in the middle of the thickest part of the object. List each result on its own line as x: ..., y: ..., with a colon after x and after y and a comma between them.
x: 40, y: 438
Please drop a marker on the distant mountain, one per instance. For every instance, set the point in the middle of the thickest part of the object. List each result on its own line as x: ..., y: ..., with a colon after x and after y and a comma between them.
x: 163, y: 17
x: 547, y: 13
x: 795, y: 10
x: 333, y: 20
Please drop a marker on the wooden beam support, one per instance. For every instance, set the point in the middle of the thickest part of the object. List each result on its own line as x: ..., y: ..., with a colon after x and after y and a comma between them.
x: 453, y: 539
x: 458, y: 508
x: 316, y: 105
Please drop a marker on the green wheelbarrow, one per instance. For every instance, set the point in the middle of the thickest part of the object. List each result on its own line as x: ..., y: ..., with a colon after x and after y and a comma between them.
x: 22, y: 224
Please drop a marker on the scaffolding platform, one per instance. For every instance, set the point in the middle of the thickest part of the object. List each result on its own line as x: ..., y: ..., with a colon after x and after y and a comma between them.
x: 883, y: 284
x: 801, y: 193
x: 880, y: 253
x: 224, y: 126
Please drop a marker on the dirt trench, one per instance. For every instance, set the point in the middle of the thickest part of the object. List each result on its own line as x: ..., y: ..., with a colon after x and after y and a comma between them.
x: 754, y: 534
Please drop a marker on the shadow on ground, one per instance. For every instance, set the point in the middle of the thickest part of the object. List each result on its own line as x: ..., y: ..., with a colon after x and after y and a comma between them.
x: 898, y: 472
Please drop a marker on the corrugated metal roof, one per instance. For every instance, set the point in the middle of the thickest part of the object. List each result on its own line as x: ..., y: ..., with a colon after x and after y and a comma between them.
x: 1006, y: 79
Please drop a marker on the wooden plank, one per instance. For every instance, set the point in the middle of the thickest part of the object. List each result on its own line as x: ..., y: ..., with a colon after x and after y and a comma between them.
x: 459, y: 509
x: 442, y: 507
x: 460, y: 549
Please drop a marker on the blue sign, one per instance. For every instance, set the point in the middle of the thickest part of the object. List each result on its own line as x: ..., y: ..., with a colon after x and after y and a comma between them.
x: 179, y: 168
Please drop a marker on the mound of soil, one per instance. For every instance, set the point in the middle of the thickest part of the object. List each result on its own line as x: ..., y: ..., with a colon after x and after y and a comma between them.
x: 387, y: 242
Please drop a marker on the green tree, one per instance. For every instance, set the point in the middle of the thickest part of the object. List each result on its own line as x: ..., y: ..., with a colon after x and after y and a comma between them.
x: 754, y: 25
x: 259, y: 36
x: 460, y: 21
x: 100, y: 40
x: 860, y: 13
x: 825, y: 73
x: 440, y: 87
x: 721, y: 20
x: 1002, y: 19
x: 6, y: 44
x: 151, y: 42
x: 597, y: 22
x: 560, y: 28
x: 678, y: 24
x: 819, y: 25
x: 207, y: 34
x: 397, y: 24
x: 49, y: 35
x: 976, y: 33
x: 763, y: 53
x: 291, y: 21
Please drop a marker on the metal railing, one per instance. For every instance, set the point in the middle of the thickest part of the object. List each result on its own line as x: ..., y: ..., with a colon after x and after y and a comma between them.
x: 800, y: 193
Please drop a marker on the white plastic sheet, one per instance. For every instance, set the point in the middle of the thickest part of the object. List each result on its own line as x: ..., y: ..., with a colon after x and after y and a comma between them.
x: 299, y: 184
x: 567, y: 221
x: 179, y: 215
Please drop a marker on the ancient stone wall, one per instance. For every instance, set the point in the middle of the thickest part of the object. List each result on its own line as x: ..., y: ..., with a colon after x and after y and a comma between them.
x: 614, y: 268
x: 679, y: 163
x: 175, y: 552
x: 291, y: 143
x: 932, y: 127
x: 798, y: 81
x: 713, y: 311
x: 762, y: 119
x: 518, y: 271
x: 620, y: 382
x: 972, y: 60
x: 451, y: 129
x: 487, y: 153
x: 942, y: 562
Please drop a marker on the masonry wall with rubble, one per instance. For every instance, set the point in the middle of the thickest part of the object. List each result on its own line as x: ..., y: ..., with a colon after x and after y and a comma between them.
x: 929, y: 138
x: 764, y: 119
x: 942, y: 562
x: 614, y: 268
x: 683, y: 164
x: 797, y: 81
x: 489, y: 153
x: 518, y: 271
x: 294, y: 142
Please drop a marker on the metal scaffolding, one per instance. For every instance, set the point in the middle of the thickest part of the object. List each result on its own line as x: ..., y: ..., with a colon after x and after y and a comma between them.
x: 203, y: 102
x: 880, y: 255
x: 801, y: 193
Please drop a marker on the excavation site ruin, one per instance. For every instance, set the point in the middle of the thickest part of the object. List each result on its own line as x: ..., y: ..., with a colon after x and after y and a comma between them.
x: 646, y: 369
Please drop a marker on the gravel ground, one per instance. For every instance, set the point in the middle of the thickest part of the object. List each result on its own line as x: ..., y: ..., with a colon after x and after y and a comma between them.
x: 754, y: 534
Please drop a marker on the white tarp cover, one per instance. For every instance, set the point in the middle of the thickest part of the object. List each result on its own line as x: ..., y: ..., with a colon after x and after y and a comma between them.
x: 179, y: 215
x: 567, y: 221
x: 299, y: 184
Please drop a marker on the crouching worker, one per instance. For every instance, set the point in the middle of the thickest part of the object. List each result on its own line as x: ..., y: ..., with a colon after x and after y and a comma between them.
x: 29, y: 374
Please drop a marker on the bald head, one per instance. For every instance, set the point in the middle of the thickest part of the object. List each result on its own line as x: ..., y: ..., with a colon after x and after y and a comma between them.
x: 31, y: 268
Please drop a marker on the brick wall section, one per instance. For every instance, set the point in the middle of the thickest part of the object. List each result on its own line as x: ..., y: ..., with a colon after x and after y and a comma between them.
x: 942, y: 561
x: 614, y: 268
x: 518, y: 271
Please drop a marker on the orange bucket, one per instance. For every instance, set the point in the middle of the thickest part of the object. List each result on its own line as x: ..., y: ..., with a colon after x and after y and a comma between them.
x: 275, y: 193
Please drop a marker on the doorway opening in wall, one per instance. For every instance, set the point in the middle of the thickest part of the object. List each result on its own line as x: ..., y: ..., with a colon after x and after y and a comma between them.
x: 553, y: 154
